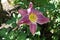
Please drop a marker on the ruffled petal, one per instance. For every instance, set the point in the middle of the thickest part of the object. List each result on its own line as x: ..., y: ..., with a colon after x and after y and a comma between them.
x: 33, y: 28
x: 24, y: 20
x: 42, y: 19
x: 23, y: 12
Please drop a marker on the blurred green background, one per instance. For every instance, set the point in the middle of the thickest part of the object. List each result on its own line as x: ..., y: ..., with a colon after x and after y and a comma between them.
x: 9, y: 30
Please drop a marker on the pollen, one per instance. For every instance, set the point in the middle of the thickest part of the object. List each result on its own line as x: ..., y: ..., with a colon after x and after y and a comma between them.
x: 33, y: 17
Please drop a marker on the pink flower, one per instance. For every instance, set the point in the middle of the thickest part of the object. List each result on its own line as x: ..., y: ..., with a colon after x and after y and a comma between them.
x: 31, y: 17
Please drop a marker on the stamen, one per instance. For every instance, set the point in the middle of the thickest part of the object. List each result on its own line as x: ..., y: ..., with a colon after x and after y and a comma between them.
x: 33, y: 17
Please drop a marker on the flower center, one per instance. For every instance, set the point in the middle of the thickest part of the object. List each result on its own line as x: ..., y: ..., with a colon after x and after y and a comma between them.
x: 33, y: 17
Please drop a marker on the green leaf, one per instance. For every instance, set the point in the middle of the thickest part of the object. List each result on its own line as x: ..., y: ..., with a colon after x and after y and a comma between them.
x: 22, y: 36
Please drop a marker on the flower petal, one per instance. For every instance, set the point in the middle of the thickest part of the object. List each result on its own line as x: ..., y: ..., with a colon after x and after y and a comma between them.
x: 42, y: 19
x: 24, y: 20
x: 23, y: 12
x: 33, y: 28
x: 30, y: 5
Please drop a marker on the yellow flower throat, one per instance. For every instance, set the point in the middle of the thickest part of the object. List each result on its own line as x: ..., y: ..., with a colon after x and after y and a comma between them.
x: 33, y: 17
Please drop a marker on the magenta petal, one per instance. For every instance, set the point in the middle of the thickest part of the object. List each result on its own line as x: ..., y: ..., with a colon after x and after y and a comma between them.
x: 24, y: 20
x: 33, y: 28
x: 23, y: 12
x: 30, y: 5
x: 42, y: 19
